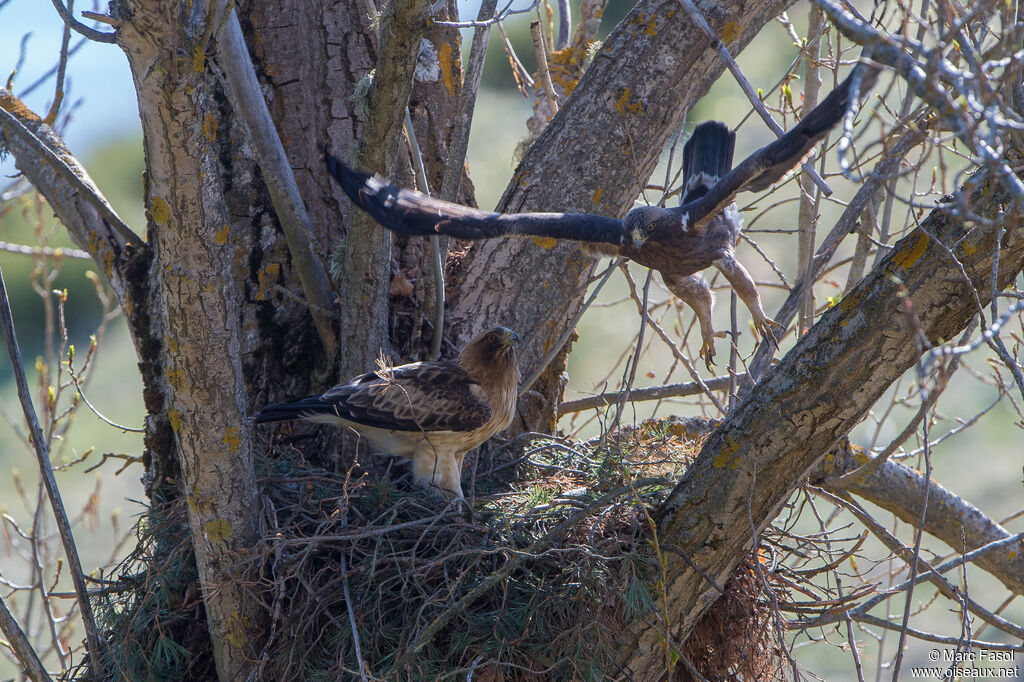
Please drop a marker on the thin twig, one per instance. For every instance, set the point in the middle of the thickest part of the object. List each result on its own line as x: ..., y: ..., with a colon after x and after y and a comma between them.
x: 352, y: 618
x: 748, y: 90
x: 18, y: 641
x: 59, y: 252
x: 521, y: 76
x: 570, y: 329
x: 500, y: 16
x: 459, y: 142
x: 436, y: 264
x: 680, y: 390
x: 46, y: 471
x: 564, y: 24
x: 809, y: 199
x: 62, y: 64
x: 90, y: 33
x: 631, y: 367
x: 542, y: 66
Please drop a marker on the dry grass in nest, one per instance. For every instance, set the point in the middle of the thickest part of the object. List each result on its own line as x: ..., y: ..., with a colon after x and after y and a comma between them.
x: 359, y: 570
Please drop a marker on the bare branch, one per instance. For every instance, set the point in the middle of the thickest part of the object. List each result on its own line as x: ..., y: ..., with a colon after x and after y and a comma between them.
x: 22, y: 647
x: 459, y: 143
x: 284, y: 191
x: 542, y: 66
x: 436, y: 264
x: 899, y: 489
x: 88, y: 32
x: 46, y: 473
x: 49, y: 251
x: 62, y: 63
x: 32, y: 141
x: 680, y: 390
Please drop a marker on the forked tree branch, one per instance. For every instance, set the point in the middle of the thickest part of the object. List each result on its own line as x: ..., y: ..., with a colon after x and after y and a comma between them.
x: 79, y: 27
x: 899, y: 489
x: 90, y: 220
x: 366, y: 260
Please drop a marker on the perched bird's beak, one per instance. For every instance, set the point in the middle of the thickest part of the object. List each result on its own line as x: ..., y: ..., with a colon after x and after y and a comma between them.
x: 511, y: 337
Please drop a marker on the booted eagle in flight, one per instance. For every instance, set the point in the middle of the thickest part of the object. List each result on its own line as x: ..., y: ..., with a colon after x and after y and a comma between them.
x: 677, y: 242
x: 430, y: 413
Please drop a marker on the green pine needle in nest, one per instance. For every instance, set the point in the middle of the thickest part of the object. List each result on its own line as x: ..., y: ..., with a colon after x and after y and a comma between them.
x: 362, y: 574
x: 537, y: 585
x: 152, y: 616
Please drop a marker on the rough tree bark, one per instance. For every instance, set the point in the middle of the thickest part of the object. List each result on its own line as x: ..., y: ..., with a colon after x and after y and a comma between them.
x: 753, y: 462
x: 594, y: 157
x: 209, y: 293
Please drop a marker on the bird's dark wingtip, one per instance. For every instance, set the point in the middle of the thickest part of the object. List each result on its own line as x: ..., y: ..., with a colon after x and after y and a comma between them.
x: 832, y: 109
x: 351, y: 180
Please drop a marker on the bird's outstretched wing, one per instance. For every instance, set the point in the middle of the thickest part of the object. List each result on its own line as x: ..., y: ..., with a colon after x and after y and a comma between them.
x: 770, y: 163
x: 409, y: 212
x: 426, y: 396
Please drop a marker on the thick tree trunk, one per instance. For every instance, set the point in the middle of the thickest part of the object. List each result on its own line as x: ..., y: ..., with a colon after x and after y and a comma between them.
x: 823, y: 387
x: 225, y: 331
x: 594, y: 157
x: 198, y: 290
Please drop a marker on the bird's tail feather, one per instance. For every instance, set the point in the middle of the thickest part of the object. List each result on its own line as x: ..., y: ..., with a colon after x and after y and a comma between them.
x: 294, y: 409
x: 707, y: 156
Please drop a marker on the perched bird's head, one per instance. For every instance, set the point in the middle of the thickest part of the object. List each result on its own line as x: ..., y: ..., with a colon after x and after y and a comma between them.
x: 640, y: 222
x: 490, y: 351
x: 498, y: 340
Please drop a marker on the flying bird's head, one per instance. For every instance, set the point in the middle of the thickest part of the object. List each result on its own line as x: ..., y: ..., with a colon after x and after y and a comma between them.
x: 640, y: 222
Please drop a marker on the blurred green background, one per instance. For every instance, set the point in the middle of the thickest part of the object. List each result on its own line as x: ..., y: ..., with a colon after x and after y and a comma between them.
x: 983, y: 463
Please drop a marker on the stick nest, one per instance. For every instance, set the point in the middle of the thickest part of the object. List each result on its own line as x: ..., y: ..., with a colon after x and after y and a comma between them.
x: 359, y: 573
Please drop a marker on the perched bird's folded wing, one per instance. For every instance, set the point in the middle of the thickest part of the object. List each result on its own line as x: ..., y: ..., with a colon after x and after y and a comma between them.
x: 426, y: 396
x: 770, y: 163
x: 410, y: 212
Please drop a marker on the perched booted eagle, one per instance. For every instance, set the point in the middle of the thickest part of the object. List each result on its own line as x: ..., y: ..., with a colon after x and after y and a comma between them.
x: 430, y: 413
x: 677, y: 242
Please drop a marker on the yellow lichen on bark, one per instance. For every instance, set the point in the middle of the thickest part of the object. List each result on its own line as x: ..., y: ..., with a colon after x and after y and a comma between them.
x: 909, y: 255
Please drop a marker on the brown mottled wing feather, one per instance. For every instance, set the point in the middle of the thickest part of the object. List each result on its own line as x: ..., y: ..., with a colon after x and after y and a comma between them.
x: 409, y: 212
x: 424, y: 396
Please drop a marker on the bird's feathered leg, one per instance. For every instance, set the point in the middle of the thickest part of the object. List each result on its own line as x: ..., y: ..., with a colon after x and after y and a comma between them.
x: 745, y: 288
x: 695, y: 292
x: 437, y: 468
